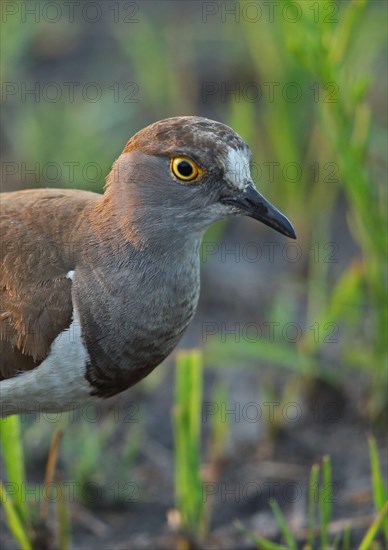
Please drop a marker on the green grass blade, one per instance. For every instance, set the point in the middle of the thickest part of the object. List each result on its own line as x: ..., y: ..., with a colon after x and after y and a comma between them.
x: 286, y: 532
x: 336, y: 541
x: 346, y: 537
x: 378, y: 485
x: 366, y: 543
x: 325, y: 504
x: 261, y: 543
x: 15, y: 524
x: 187, y: 440
x: 11, y: 440
x: 312, y: 500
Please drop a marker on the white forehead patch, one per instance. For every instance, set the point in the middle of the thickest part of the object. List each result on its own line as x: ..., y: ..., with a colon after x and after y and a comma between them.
x: 237, y: 171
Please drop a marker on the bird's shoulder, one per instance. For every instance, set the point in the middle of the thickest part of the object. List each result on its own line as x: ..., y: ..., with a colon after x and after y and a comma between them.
x: 37, y: 254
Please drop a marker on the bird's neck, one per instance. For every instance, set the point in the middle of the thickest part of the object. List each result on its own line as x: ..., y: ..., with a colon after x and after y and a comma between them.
x: 135, y: 297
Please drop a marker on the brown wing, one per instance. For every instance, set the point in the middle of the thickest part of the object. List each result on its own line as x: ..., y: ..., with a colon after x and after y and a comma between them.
x: 37, y: 252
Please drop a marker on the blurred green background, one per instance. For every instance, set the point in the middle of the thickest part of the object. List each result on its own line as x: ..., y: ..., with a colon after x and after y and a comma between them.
x: 305, y: 84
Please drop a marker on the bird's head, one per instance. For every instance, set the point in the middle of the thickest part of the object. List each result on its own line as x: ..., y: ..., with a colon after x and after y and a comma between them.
x: 184, y: 173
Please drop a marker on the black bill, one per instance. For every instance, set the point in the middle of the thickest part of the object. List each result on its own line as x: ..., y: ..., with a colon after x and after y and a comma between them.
x: 252, y: 204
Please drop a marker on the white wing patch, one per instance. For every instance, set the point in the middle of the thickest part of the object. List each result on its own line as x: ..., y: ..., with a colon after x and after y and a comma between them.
x: 70, y: 275
x: 57, y: 384
x: 237, y: 171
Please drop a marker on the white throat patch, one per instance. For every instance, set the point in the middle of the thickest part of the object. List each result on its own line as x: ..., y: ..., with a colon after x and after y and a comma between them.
x: 237, y: 171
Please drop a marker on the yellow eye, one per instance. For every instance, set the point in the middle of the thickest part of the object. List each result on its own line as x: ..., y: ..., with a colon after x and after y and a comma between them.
x: 185, y: 169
